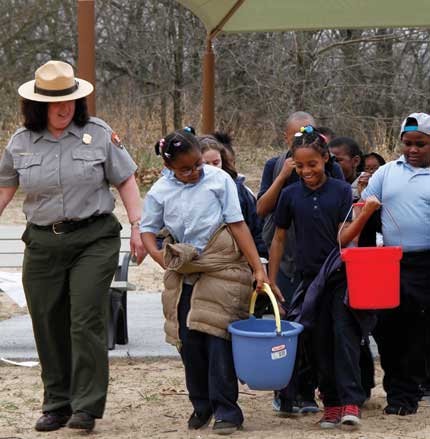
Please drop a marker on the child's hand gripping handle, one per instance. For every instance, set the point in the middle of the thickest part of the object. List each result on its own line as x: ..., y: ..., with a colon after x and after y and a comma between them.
x: 362, y: 204
x: 268, y: 291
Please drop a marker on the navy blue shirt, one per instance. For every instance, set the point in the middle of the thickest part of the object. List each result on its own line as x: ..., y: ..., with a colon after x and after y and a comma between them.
x: 316, y: 215
x: 333, y: 170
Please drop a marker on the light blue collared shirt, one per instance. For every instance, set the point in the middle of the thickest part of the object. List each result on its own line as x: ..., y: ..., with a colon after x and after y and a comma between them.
x: 191, y: 212
x: 405, y: 192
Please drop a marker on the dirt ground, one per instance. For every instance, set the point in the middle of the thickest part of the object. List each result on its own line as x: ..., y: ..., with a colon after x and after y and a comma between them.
x: 148, y: 399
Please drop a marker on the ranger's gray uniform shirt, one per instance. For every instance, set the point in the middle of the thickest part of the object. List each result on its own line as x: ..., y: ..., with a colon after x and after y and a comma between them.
x: 66, y: 178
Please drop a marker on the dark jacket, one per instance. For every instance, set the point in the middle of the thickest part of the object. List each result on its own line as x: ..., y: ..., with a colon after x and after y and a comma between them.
x: 248, y: 204
x: 304, y: 306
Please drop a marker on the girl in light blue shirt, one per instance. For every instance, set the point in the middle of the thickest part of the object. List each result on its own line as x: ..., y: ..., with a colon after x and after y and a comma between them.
x: 192, y: 201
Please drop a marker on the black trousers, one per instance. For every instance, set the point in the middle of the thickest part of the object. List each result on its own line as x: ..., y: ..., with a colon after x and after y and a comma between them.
x: 209, y: 370
x: 367, y: 367
x: 402, y: 334
x: 336, y: 340
x: 304, y: 380
x: 66, y: 280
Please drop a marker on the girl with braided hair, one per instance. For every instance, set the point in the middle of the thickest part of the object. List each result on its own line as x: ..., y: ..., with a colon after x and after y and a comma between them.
x: 317, y: 205
x: 208, y: 281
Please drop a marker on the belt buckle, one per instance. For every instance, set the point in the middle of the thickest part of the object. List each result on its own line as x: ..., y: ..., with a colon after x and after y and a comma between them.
x: 54, y: 230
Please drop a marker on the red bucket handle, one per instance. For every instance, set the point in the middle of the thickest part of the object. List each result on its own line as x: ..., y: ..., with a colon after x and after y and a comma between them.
x: 361, y: 204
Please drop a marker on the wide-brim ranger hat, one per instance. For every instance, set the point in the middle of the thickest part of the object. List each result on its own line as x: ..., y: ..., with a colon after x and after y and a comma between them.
x: 416, y: 122
x: 55, y: 82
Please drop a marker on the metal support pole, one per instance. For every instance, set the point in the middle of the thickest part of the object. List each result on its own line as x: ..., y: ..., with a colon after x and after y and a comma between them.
x: 86, y: 48
x: 208, y: 103
x: 208, y: 100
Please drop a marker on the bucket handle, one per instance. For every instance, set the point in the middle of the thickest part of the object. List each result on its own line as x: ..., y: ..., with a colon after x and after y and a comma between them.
x: 268, y: 291
x: 361, y: 204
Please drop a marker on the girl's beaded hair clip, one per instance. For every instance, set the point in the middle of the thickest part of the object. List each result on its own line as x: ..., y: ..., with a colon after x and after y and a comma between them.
x: 308, y: 129
x: 190, y: 130
x: 160, y: 144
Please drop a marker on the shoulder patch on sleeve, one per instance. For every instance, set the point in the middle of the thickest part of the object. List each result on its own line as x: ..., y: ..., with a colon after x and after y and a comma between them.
x: 116, y: 140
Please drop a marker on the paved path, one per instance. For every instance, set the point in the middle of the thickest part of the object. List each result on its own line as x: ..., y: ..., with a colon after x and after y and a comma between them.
x: 145, y: 331
x: 145, y: 328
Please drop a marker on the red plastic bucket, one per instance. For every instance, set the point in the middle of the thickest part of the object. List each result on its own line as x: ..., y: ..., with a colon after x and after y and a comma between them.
x: 373, y: 275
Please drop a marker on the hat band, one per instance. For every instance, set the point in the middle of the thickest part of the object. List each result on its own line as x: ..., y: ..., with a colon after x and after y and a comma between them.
x: 64, y: 92
x: 411, y: 128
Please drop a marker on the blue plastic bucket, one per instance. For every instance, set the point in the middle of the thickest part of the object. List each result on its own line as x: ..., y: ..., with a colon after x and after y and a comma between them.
x: 264, y: 351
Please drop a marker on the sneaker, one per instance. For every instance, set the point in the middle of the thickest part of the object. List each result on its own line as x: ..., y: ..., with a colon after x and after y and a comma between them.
x: 399, y: 410
x: 285, y: 407
x: 305, y: 407
x: 225, y: 428
x: 198, y: 421
x: 331, y: 417
x: 351, y: 415
x: 82, y: 421
x: 53, y: 420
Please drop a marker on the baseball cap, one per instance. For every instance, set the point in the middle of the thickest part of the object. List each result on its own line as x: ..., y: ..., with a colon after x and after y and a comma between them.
x: 416, y: 122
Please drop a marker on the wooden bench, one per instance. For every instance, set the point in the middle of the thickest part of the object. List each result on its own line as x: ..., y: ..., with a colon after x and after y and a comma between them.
x: 12, y: 254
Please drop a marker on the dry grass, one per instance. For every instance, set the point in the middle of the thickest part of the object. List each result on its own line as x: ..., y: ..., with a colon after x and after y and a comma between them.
x: 140, y: 128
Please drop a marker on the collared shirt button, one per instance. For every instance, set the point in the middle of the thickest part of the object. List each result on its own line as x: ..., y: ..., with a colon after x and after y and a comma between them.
x: 315, y: 207
x: 315, y: 198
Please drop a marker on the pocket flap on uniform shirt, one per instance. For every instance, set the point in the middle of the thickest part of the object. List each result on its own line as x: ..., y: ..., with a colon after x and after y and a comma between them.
x: 25, y: 161
x: 87, y: 155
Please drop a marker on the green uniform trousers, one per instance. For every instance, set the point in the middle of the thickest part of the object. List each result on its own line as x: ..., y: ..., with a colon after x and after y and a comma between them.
x: 66, y: 280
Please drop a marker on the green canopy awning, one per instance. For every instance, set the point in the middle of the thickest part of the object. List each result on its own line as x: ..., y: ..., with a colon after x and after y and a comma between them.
x: 284, y: 15
x: 294, y: 15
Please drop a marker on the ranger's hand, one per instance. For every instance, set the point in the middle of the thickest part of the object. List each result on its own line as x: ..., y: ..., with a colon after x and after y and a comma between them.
x: 137, y: 249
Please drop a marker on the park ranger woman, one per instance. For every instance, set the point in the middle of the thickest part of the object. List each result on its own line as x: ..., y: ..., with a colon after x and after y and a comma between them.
x: 64, y: 161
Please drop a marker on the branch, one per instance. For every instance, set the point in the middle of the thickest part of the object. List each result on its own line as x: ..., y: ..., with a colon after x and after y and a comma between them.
x: 375, y: 39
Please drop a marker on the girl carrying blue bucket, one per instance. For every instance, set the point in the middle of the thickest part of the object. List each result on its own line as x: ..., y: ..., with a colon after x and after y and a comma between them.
x: 208, y: 282
x: 317, y: 205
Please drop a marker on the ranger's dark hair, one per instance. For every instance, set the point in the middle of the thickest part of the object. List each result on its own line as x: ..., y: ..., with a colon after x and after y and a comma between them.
x: 176, y: 143
x: 36, y: 114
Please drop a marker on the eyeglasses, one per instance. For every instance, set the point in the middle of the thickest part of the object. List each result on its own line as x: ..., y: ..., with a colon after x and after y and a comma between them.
x: 189, y: 172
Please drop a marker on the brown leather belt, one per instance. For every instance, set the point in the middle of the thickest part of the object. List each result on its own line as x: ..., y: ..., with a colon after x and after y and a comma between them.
x: 61, y: 227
